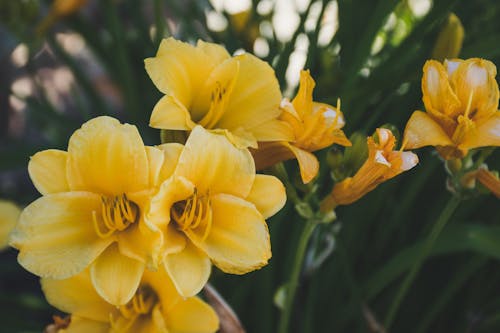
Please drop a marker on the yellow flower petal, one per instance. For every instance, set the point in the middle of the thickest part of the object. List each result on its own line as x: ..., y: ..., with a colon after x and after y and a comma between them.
x: 82, y: 325
x: 308, y: 163
x: 107, y: 157
x: 421, y: 130
x: 215, y: 52
x: 142, y: 244
x: 476, y: 87
x: 169, y: 113
x: 172, y: 190
x: 178, y: 69
x: 171, y: 153
x: 155, y: 162
x: 115, y: 276
x: 188, y: 269
x: 55, y: 235
x: 47, y: 170
x: 487, y: 133
x: 438, y: 96
x: 270, y: 153
x: 303, y: 101
x: 213, y: 164
x: 9, y: 215
x: 267, y: 194
x: 77, y: 296
x: 192, y: 316
x: 175, y: 241
x: 273, y: 130
x: 255, y: 97
x: 238, y: 241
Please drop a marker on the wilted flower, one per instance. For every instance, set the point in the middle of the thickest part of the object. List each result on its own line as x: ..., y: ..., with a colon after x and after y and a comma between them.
x: 204, y: 85
x: 461, y: 99
x: 315, y: 126
x: 383, y: 163
x: 156, y: 306
x: 9, y: 214
x: 92, y: 208
x: 212, y: 209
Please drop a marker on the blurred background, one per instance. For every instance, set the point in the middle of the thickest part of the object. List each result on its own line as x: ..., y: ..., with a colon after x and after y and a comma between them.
x: 64, y: 62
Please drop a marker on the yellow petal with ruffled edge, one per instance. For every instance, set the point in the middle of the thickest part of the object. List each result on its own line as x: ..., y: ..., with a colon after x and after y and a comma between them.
x: 476, y: 88
x: 192, y: 316
x: 212, y: 163
x: 55, y: 235
x: 115, y: 276
x: 9, y: 215
x: 77, y: 296
x: 82, y: 325
x: 438, y: 95
x: 308, y: 163
x: 421, y: 130
x: 487, y: 133
x: 47, y: 170
x: 169, y: 113
x: 189, y: 270
x: 107, y: 157
x: 267, y: 194
x: 255, y: 97
x: 238, y: 241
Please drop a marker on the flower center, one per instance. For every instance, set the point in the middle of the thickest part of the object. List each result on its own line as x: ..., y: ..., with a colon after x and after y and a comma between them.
x: 117, y: 214
x: 143, y: 302
x: 194, y: 212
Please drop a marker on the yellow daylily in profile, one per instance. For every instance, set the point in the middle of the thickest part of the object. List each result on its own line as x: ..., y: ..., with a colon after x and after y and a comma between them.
x: 92, y: 208
x: 204, y: 85
x: 156, y: 306
x: 213, y: 209
x: 383, y: 163
x: 461, y: 100
x: 315, y: 126
x: 9, y: 214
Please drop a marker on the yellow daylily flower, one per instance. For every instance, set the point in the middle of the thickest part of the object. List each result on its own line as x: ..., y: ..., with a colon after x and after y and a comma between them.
x: 315, y: 126
x: 156, y: 306
x: 204, y: 85
x: 9, y: 214
x: 461, y: 100
x: 383, y: 163
x: 213, y: 209
x: 92, y: 208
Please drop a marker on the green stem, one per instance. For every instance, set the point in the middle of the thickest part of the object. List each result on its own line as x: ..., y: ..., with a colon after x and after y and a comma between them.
x: 446, y: 214
x: 294, y: 278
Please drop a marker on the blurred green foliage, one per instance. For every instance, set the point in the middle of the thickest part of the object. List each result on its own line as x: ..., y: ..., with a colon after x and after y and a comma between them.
x: 373, y: 63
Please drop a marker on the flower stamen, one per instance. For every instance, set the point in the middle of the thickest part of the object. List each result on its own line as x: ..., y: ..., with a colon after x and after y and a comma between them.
x: 193, y: 212
x: 117, y: 213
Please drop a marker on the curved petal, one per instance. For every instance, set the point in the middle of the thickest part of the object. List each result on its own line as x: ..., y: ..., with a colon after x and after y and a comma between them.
x: 487, y: 133
x: 169, y: 113
x: 155, y: 162
x: 163, y: 286
x: 172, y: 190
x: 270, y: 153
x: 178, y: 69
x: 267, y: 194
x: 115, y: 276
x: 238, y: 241
x: 256, y: 95
x: 77, y: 296
x: 308, y: 163
x: 171, y: 154
x: 192, y: 316
x: 189, y: 270
x: 107, y: 157
x: 9, y: 215
x: 476, y: 87
x: 438, y: 96
x: 273, y: 130
x: 55, y: 235
x: 141, y: 243
x: 213, y: 164
x: 303, y: 101
x: 216, y: 53
x: 83, y: 325
x: 421, y: 130
x: 47, y: 170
